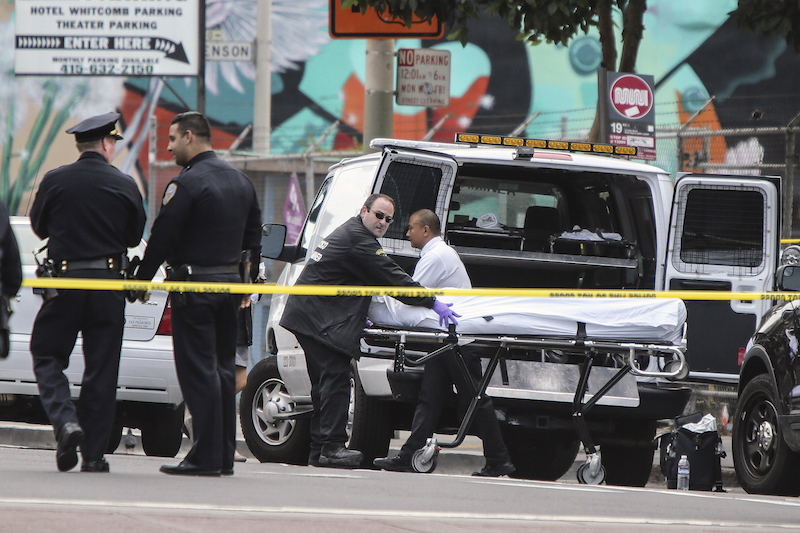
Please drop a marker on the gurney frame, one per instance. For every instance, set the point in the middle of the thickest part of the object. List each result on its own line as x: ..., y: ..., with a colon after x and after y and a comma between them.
x: 588, y: 351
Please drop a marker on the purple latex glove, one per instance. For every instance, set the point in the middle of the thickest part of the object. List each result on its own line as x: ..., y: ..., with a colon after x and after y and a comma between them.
x: 446, y: 315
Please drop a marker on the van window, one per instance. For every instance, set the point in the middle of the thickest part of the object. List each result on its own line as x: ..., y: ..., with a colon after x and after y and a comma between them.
x: 412, y: 186
x: 723, y: 227
x: 311, y: 219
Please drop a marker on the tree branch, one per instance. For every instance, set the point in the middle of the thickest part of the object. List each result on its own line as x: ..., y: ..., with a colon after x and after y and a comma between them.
x: 632, y: 34
x: 605, y: 25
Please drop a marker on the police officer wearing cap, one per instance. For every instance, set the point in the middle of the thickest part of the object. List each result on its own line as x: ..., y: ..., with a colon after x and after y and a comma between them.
x: 91, y: 213
x: 209, y: 215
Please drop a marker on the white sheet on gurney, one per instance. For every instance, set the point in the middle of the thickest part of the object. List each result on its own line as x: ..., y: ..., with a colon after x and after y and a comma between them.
x: 632, y: 319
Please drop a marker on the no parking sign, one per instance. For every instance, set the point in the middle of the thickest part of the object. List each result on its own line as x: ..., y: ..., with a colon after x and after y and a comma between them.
x: 631, y: 112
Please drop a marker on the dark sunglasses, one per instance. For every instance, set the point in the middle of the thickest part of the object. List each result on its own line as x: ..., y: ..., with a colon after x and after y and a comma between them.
x: 381, y: 216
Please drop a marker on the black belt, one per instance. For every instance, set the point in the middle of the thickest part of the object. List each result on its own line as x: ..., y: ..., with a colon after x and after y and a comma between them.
x: 197, y: 270
x: 103, y: 263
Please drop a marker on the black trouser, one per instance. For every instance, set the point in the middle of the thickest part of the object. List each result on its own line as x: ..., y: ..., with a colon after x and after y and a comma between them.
x: 100, y: 317
x: 329, y: 371
x: 441, y: 373
x: 204, y: 337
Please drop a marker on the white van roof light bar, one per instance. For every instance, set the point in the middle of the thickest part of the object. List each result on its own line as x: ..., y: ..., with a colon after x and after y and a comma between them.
x: 477, y: 139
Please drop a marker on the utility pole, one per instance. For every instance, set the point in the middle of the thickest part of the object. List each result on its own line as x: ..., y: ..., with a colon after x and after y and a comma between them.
x: 262, y: 105
x: 201, y: 64
x: 378, y: 90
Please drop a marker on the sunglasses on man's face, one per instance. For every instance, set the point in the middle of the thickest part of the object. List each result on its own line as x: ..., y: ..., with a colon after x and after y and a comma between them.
x: 382, y: 216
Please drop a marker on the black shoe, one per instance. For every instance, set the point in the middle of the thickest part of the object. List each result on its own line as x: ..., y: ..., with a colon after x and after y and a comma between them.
x: 503, y: 469
x: 313, y: 459
x: 394, y: 464
x: 70, y: 436
x: 226, y: 472
x: 188, y: 469
x: 101, y: 465
x: 341, y: 456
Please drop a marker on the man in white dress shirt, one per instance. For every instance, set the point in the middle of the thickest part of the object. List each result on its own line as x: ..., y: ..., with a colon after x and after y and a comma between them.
x: 440, y: 266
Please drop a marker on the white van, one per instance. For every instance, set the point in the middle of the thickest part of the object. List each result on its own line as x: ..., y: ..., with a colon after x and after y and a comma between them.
x: 565, y: 219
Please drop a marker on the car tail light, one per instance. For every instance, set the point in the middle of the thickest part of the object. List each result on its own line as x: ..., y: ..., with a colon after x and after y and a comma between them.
x: 165, y: 327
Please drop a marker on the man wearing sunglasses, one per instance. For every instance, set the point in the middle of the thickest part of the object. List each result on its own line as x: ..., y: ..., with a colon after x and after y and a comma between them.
x: 329, y: 327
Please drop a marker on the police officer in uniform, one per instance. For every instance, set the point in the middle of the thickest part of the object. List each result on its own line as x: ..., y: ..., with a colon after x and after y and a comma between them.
x: 329, y: 327
x: 92, y: 213
x: 209, y: 215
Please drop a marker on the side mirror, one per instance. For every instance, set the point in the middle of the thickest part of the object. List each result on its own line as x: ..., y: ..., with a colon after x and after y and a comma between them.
x: 273, y: 237
x: 788, y: 278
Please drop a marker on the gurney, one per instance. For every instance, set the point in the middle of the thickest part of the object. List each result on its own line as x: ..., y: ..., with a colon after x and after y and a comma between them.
x: 535, y: 348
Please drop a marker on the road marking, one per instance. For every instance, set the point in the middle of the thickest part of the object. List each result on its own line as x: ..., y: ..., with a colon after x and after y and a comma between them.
x: 309, y: 474
x: 183, y: 507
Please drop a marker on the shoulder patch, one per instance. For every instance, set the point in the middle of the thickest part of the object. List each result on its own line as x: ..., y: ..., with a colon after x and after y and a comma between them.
x: 380, y: 251
x: 169, y: 193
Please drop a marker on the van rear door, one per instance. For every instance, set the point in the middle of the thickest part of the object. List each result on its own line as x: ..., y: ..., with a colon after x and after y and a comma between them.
x: 415, y: 180
x: 724, y: 236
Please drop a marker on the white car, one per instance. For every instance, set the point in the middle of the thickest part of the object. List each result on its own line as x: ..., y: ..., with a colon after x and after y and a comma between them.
x: 148, y: 394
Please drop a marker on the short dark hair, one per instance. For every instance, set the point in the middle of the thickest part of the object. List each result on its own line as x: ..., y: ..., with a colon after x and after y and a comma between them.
x: 372, y: 197
x: 90, y: 146
x: 195, y: 122
x: 429, y: 218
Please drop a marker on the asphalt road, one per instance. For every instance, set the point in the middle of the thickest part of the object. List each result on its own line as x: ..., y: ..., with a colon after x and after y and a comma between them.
x: 275, y: 497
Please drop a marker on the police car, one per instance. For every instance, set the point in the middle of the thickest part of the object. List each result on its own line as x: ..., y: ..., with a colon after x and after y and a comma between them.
x: 148, y: 394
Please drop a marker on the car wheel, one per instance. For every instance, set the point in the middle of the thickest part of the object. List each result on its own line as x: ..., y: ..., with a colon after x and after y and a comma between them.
x: 369, y: 421
x: 628, y: 459
x: 763, y: 461
x: 540, y: 454
x: 270, y: 439
x: 162, y: 435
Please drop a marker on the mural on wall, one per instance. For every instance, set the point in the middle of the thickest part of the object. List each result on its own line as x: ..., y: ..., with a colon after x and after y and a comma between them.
x: 498, y: 83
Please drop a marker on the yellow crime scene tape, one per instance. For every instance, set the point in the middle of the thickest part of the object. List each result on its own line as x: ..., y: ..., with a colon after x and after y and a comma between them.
x: 347, y: 290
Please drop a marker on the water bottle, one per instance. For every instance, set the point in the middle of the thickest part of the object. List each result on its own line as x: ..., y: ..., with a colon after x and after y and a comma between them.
x: 683, y: 473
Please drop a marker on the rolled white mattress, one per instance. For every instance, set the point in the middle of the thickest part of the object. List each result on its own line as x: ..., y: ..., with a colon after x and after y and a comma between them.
x: 620, y: 319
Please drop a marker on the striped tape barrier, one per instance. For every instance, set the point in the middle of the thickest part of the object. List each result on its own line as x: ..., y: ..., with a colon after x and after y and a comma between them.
x: 347, y: 290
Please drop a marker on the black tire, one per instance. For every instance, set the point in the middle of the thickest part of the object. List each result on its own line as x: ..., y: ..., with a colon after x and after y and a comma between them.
x: 369, y: 422
x: 162, y: 435
x: 628, y: 460
x: 763, y: 461
x: 540, y: 454
x: 272, y: 440
x: 114, y: 438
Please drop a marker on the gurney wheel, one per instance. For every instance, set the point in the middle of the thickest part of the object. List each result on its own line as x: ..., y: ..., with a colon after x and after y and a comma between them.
x: 585, y: 475
x: 422, y: 466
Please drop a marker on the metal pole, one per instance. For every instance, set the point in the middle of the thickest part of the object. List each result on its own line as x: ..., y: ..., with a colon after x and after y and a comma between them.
x: 151, y: 176
x: 378, y: 90
x: 602, y: 104
x: 519, y: 129
x: 437, y: 127
x: 201, y: 63
x: 262, y: 105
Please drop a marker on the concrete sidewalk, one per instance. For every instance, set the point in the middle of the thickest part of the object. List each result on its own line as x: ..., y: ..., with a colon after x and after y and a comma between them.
x: 465, y: 459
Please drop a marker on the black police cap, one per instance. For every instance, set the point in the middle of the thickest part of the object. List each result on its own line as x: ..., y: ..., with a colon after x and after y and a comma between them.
x: 95, y: 128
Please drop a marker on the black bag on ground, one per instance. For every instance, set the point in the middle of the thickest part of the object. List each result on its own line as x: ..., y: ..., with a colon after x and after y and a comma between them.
x: 704, y: 451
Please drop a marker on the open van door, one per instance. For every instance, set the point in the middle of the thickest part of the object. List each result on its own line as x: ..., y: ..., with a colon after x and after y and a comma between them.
x: 724, y: 236
x: 415, y: 180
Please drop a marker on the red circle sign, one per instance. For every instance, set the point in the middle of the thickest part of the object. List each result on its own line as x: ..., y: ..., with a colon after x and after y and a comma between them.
x: 631, y: 97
